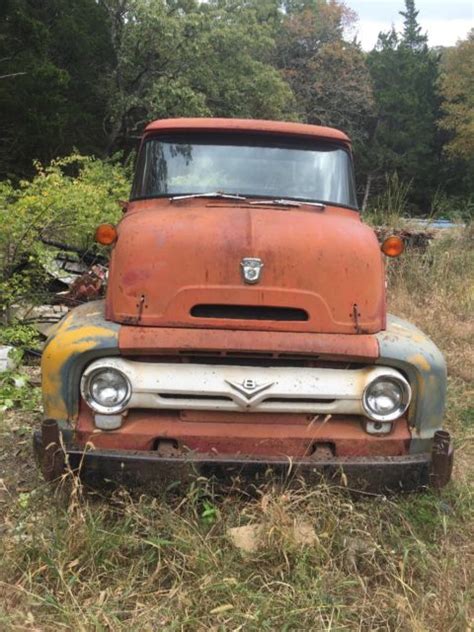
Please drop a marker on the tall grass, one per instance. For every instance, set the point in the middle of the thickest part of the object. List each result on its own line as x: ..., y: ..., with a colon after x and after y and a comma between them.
x: 390, y: 206
x: 154, y: 563
x: 435, y: 289
x: 166, y: 562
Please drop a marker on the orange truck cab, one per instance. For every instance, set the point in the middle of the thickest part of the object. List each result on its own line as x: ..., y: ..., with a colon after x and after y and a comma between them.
x: 244, y: 326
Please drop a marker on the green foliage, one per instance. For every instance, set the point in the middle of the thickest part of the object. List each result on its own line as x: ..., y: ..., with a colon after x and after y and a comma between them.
x: 457, y: 87
x: 412, y: 36
x: 191, y: 59
x: 91, y: 73
x: 456, y: 208
x: 389, y: 207
x: 17, y: 393
x: 327, y: 73
x: 63, y: 202
x: 209, y: 514
x: 53, y: 56
x: 404, y: 74
x: 20, y: 336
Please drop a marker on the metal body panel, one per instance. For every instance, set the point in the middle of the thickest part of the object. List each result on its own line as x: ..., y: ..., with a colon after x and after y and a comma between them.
x: 135, y: 340
x: 252, y: 126
x: 82, y: 336
x: 172, y: 256
x: 407, y: 348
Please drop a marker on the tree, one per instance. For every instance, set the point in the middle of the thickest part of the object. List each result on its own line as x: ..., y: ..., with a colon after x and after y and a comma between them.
x: 456, y: 86
x: 185, y: 58
x: 405, y: 138
x: 327, y: 74
x: 53, y: 55
x: 412, y: 36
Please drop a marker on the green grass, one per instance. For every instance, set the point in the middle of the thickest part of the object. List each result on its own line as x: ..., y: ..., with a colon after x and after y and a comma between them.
x: 165, y: 562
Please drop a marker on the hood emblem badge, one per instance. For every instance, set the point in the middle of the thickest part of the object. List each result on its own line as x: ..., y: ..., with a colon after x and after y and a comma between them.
x: 249, y: 388
x: 251, y: 269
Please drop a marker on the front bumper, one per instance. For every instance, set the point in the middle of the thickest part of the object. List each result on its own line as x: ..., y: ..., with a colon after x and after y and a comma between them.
x: 374, y: 473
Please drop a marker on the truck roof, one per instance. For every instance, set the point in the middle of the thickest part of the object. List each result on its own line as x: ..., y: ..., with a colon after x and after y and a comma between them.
x: 254, y: 126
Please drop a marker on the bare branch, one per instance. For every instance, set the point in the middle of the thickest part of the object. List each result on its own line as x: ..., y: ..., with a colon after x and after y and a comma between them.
x: 13, y: 74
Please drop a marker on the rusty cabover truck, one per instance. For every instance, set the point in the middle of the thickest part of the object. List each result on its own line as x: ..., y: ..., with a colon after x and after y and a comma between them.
x: 244, y: 326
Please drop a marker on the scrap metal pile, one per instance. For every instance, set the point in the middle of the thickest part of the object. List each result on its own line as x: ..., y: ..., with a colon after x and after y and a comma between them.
x: 414, y: 238
x: 73, y: 276
x: 77, y: 275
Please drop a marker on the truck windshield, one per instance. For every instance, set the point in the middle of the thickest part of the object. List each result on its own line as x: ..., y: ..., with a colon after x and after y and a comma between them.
x: 251, y: 166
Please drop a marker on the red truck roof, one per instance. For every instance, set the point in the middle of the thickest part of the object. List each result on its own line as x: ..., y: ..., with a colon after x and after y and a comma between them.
x: 246, y: 125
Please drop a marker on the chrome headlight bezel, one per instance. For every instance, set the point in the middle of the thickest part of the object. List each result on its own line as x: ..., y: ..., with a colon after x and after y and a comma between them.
x: 405, y: 399
x: 86, y: 391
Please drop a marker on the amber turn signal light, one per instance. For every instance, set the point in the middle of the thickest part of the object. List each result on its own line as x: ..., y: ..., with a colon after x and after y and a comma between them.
x: 105, y: 234
x: 393, y: 246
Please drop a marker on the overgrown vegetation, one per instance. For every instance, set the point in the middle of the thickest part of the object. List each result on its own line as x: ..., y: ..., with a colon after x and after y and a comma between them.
x: 16, y: 390
x: 388, y: 208
x: 17, y: 393
x: 62, y: 203
x: 90, y: 74
x: 165, y: 560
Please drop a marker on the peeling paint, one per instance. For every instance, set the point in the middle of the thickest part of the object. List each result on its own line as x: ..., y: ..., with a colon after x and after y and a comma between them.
x: 80, y: 337
x: 420, y: 361
x: 84, y: 335
x: 407, y: 348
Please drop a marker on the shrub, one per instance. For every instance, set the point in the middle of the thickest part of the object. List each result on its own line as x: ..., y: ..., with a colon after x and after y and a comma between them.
x: 63, y: 202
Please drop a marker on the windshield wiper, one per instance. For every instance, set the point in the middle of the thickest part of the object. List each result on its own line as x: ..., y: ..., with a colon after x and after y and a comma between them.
x: 283, y: 202
x: 213, y: 194
x: 234, y: 196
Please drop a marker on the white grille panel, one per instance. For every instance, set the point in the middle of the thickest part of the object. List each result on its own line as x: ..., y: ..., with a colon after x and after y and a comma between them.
x: 245, y: 388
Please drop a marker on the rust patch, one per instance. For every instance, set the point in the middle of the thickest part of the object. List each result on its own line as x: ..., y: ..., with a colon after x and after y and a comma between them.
x: 168, y: 341
x: 142, y: 429
x: 304, y: 253
x: 420, y: 361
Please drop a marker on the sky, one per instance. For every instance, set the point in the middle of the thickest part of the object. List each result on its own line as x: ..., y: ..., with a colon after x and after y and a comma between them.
x: 445, y: 21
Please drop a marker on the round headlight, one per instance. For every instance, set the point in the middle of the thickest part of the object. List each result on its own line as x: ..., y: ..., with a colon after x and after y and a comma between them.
x: 386, y: 398
x: 106, y: 390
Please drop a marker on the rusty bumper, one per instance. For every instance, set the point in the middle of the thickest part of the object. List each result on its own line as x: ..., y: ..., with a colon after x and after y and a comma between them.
x: 378, y: 474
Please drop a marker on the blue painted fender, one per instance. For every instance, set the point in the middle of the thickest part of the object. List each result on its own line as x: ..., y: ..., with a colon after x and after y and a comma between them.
x: 404, y: 346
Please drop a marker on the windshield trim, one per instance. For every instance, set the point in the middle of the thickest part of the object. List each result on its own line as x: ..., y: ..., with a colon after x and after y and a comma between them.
x: 272, y: 138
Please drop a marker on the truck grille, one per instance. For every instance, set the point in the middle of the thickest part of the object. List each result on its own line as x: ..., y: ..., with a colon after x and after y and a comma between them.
x: 245, y: 388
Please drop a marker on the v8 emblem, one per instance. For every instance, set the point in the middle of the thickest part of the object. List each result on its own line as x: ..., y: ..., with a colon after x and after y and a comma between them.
x: 251, y: 269
x: 249, y: 384
x: 249, y: 388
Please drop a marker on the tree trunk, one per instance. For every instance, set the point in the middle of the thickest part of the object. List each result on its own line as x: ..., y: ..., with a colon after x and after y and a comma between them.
x: 367, y: 192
